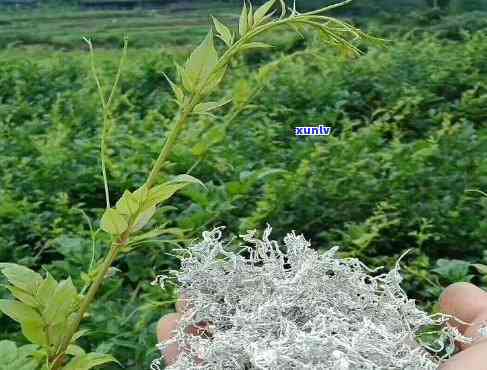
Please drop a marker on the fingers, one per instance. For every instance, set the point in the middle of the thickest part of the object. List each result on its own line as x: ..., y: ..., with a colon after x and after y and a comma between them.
x: 472, y: 358
x: 167, y: 324
x: 463, y: 300
x: 468, y: 303
x: 202, y: 328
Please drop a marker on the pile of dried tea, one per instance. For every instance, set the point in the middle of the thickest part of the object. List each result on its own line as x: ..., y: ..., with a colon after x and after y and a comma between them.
x: 290, y: 307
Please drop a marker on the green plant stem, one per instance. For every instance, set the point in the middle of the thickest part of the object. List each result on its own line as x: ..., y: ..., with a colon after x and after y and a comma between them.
x: 103, y: 164
x: 106, y: 108
x: 193, y: 100
x: 124, y: 238
x: 170, y: 142
x: 109, y: 259
x: 105, y: 120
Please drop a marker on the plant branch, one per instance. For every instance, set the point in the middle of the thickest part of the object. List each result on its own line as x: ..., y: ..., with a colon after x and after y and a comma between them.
x: 106, y: 109
x: 171, y: 141
x: 107, y: 262
x: 183, y: 117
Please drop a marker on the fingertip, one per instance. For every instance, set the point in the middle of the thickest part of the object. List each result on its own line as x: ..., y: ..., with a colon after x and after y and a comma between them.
x: 463, y: 300
x: 453, y: 290
x: 166, y: 325
x: 165, y: 331
x: 472, y: 358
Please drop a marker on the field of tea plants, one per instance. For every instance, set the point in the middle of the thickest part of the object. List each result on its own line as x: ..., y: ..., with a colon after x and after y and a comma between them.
x: 400, y: 170
x: 62, y: 27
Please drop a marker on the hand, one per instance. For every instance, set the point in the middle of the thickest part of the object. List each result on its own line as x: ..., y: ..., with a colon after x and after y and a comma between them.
x: 462, y: 300
x: 468, y: 303
x: 167, y: 324
x: 165, y: 328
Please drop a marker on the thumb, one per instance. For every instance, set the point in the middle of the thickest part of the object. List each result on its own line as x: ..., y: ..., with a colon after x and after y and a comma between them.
x: 165, y: 328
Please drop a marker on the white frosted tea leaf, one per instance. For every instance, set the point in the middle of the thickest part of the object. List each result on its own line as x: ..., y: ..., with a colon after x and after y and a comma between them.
x: 289, y: 307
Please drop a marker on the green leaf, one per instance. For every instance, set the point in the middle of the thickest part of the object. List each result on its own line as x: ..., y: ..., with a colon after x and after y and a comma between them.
x: 242, y: 22
x: 141, y: 195
x: 250, y: 18
x: 20, y: 358
x: 216, y: 134
x: 178, y: 92
x: 46, y: 290
x: 62, y: 303
x: 269, y: 172
x: 34, y: 332
x: 242, y: 92
x: 26, y: 350
x: 209, y: 106
x: 89, y: 361
x: 79, y: 334
x: 30, y: 320
x: 223, y: 32
x: 262, y: 11
x: 255, y: 45
x: 200, y: 148
x: 214, y: 80
x: 283, y: 9
x: 160, y: 193
x: 19, y: 311
x: 298, y: 28
x: 480, y: 268
x: 143, y: 218
x: 75, y: 350
x: 56, y: 333
x: 213, y: 136
x: 8, y: 351
x: 32, y: 364
x: 21, y: 277
x: 188, y: 84
x: 188, y: 179
x: 265, y: 73
x: 268, y: 17
x: 453, y: 270
x: 23, y: 296
x: 113, y: 222
x: 158, y: 232
x: 128, y: 204
x: 202, y: 62
x: 364, y: 240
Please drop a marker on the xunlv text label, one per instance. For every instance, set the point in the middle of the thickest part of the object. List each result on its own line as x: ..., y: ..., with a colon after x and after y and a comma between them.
x: 313, y: 131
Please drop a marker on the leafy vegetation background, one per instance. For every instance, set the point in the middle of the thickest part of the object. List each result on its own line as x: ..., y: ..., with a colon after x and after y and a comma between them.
x: 409, y: 139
